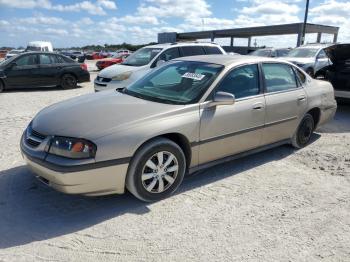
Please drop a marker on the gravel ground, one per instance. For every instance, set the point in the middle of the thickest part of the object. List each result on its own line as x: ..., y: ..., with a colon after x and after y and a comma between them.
x: 279, y: 205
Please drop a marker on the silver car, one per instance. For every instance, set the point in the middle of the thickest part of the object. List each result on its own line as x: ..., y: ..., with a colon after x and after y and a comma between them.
x: 186, y: 115
x: 311, y: 58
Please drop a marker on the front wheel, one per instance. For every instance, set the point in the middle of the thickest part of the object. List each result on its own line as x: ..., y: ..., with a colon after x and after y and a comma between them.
x: 68, y: 81
x: 156, y: 170
x: 304, y: 132
x: 1, y: 86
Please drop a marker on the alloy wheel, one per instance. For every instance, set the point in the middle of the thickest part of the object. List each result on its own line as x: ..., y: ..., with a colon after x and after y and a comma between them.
x: 159, y: 172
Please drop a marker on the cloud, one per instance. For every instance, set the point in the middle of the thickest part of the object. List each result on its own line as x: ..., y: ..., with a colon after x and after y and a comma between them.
x: 175, y: 8
x: 108, y: 4
x: 141, y: 20
x: 93, y: 8
x: 271, y: 8
x: 42, y: 20
x: 336, y: 13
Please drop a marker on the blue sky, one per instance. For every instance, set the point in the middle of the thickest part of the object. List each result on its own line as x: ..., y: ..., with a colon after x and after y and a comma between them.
x: 75, y: 23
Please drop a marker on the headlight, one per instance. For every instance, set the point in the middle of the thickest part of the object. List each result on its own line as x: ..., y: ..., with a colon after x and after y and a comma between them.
x: 72, y: 147
x: 122, y: 76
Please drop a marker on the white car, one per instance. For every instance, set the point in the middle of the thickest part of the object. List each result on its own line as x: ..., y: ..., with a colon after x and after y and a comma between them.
x: 311, y: 58
x: 147, y: 58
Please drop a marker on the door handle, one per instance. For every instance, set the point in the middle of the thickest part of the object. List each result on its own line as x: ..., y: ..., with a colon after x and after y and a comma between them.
x: 301, y: 98
x: 258, y: 106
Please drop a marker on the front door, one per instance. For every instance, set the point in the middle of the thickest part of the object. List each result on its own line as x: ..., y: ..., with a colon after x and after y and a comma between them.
x: 229, y: 129
x: 21, y: 74
x: 285, y: 102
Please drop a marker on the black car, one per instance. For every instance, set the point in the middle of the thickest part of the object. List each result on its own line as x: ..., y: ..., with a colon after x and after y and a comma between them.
x: 41, y: 69
x: 339, y: 72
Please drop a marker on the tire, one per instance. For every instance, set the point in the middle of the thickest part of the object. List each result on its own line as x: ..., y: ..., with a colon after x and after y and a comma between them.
x: 304, y: 132
x: 2, y: 88
x: 68, y: 81
x: 146, y: 181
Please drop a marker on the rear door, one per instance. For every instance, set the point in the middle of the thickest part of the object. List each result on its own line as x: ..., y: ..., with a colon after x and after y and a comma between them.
x: 47, y: 73
x: 286, y: 102
x: 21, y: 75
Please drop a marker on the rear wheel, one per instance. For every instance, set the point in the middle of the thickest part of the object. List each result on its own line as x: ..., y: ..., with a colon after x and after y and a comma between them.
x: 2, y: 88
x: 68, y: 81
x: 304, y: 132
x: 156, y: 170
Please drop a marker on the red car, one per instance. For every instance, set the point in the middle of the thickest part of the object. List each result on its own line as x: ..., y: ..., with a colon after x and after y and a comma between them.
x: 116, y: 59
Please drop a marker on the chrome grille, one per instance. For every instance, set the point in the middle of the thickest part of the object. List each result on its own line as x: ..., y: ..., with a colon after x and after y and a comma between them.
x: 34, y: 138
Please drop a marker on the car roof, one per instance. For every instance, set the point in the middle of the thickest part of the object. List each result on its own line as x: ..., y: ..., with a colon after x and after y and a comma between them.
x: 314, y: 46
x: 165, y: 45
x: 228, y: 59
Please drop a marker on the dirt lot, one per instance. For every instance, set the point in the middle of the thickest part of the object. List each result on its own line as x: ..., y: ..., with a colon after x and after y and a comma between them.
x: 279, y: 205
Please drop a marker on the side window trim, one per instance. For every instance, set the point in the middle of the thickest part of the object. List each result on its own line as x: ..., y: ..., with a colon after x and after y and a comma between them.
x: 211, y: 94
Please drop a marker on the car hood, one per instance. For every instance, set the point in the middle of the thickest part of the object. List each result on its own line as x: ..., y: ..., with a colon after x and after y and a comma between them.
x: 338, y: 53
x: 96, y: 115
x: 114, y: 70
x: 298, y: 60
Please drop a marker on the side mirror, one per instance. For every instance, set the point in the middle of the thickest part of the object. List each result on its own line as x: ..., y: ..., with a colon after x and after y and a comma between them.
x: 223, y: 98
x: 160, y: 62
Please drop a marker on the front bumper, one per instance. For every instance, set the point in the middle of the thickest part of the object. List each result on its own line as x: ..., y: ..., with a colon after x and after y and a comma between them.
x: 92, y: 179
x: 113, y: 84
x: 84, y: 77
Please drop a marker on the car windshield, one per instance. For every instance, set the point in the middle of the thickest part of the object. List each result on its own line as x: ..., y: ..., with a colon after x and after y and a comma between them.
x: 182, y: 82
x: 8, y: 61
x: 142, y: 56
x: 261, y: 52
x: 303, y: 52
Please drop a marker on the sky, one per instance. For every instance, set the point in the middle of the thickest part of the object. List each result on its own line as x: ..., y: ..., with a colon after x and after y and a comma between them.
x: 68, y: 23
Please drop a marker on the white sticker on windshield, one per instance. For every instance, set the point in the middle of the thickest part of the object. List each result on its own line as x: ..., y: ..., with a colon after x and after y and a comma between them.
x: 193, y: 76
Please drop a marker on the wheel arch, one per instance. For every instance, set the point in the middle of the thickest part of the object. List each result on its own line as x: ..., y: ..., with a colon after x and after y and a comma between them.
x: 178, y: 138
x: 316, y: 114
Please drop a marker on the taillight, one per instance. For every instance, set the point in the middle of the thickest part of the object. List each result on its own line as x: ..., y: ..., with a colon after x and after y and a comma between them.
x: 84, y: 67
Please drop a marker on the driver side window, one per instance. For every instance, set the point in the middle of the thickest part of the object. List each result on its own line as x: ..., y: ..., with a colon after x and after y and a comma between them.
x: 241, y: 82
x: 27, y: 60
x: 169, y: 54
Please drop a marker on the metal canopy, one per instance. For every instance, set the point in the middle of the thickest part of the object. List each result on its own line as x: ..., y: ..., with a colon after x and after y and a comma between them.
x: 249, y: 32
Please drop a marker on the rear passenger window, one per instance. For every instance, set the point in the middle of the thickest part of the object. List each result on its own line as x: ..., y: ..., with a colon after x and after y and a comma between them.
x: 192, y: 50
x: 45, y: 59
x: 241, y: 82
x: 279, y: 77
x: 212, y: 50
x: 301, y: 76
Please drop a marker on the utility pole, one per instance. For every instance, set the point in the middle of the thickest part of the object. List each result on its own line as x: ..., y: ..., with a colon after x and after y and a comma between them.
x: 305, y: 21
